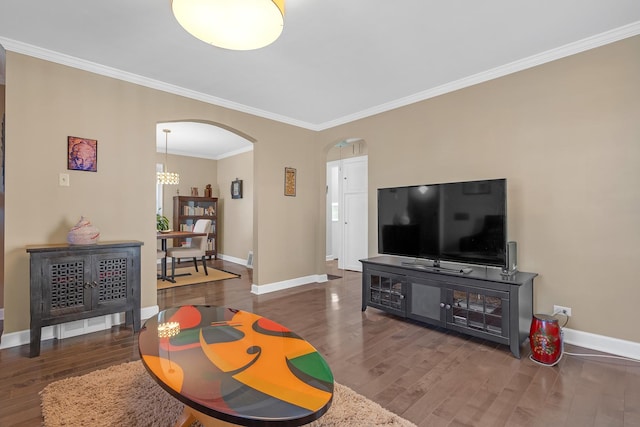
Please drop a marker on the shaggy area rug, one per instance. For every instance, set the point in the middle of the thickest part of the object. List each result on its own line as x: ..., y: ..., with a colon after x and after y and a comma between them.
x: 127, y: 395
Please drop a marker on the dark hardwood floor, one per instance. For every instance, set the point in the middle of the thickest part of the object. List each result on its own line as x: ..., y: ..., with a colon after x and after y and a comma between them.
x: 427, y: 375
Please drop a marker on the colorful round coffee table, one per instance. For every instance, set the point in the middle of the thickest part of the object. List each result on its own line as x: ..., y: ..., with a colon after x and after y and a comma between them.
x: 232, y: 366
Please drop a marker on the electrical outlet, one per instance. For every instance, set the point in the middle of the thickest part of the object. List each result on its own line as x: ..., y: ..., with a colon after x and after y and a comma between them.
x: 561, y: 309
x: 63, y: 180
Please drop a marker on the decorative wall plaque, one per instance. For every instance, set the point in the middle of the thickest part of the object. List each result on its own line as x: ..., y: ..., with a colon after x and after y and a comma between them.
x: 289, y: 182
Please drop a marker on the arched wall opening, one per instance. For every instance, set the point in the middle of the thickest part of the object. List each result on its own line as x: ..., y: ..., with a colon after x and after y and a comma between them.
x: 209, y: 156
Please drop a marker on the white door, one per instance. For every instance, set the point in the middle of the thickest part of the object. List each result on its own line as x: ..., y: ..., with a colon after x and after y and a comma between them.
x: 354, y: 213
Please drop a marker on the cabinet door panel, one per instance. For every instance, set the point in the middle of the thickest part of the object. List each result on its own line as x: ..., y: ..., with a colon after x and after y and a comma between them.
x: 482, y: 310
x: 426, y: 301
x: 65, y: 290
x: 385, y: 291
x: 110, y: 277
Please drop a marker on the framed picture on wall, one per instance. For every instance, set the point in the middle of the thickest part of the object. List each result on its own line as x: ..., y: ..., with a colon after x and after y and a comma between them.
x: 82, y: 154
x: 236, y: 189
x: 289, y: 182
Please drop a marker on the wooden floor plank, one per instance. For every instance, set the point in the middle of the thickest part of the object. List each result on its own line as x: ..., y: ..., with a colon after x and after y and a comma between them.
x: 431, y: 376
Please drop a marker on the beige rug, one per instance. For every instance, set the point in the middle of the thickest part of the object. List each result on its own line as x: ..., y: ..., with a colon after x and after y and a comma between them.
x: 195, y: 276
x: 126, y: 395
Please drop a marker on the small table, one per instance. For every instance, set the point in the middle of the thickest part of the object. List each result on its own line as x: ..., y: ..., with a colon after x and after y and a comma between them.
x: 163, y: 236
x: 232, y: 366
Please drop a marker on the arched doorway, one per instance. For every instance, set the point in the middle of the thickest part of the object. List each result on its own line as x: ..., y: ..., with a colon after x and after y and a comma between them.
x: 211, y: 155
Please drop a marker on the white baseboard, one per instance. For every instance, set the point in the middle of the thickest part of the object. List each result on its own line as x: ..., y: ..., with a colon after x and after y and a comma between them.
x: 232, y: 259
x: 72, y: 329
x: 602, y: 343
x: 286, y: 284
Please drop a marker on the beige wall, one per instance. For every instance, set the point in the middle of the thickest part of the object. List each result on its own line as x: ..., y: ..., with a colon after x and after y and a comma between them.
x: 46, y: 102
x: 236, y: 215
x: 2, y: 88
x: 566, y: 135
x: 286, y: 228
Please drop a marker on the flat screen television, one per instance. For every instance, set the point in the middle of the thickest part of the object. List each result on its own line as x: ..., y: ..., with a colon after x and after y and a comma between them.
x: 462, y: 222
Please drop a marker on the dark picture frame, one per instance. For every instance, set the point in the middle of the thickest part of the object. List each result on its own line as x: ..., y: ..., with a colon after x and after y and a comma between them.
x: 82, y: 154
x: 289, y: 182
x: 236, y: 189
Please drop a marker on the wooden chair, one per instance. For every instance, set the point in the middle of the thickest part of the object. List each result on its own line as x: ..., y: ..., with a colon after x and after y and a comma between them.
x: 197, y: 248
x: 160, y: 255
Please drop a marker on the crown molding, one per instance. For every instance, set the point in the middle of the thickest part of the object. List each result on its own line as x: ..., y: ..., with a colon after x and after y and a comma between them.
x: 494, y: 73
x: 93, y: 67
x: 588, y: 43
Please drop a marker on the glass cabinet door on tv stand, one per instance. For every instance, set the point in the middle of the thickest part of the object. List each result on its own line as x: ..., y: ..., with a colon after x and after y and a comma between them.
x: 385, y: 291
x: 187, y: 210
x: 482, y: 310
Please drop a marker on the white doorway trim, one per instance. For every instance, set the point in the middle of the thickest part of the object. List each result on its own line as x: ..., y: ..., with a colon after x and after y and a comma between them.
x: 347, y: 212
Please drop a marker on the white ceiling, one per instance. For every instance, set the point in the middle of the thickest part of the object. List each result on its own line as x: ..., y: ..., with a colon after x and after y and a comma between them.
x: 202, y: 140
x: 336, y: 60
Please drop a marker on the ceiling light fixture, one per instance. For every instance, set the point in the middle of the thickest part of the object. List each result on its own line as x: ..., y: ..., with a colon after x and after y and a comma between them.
x: 169, y: 178
x: 232, y: 24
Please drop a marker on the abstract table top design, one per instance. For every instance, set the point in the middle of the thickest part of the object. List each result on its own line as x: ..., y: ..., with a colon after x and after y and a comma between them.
x: 236, y: 366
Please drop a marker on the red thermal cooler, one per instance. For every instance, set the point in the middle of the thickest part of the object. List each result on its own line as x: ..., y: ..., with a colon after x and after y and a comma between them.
x: 545, y: 338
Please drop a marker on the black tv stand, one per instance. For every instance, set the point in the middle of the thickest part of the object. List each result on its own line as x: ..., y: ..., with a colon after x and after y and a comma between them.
x: 482, y: 303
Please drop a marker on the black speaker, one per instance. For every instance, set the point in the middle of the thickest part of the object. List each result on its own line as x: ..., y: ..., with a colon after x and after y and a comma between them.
x: 511, y: 259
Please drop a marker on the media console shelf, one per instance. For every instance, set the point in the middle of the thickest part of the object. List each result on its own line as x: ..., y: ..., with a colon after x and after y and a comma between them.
x: 482, y: 303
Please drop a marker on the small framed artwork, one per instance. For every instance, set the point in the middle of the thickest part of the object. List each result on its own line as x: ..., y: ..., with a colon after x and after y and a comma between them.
x: 289, y: 182
x: 82, y: 154
x: 236, y: 189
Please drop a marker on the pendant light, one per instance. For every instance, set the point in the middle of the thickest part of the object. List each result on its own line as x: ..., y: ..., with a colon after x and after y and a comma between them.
x: 232, y: 24
x: 169, y: 178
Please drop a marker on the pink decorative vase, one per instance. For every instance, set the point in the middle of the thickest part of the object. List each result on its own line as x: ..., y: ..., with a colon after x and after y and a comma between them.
x: 83, y: 233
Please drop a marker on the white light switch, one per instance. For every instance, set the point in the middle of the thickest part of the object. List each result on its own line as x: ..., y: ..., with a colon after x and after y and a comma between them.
x: 63, y: 180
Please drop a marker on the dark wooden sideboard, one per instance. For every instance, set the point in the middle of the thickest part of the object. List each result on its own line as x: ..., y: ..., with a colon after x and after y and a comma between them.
x: 73, y: 282
x: 483, y: 303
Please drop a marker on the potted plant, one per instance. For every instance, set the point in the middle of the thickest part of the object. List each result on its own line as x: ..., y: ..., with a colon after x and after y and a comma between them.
x: 162, y: 222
